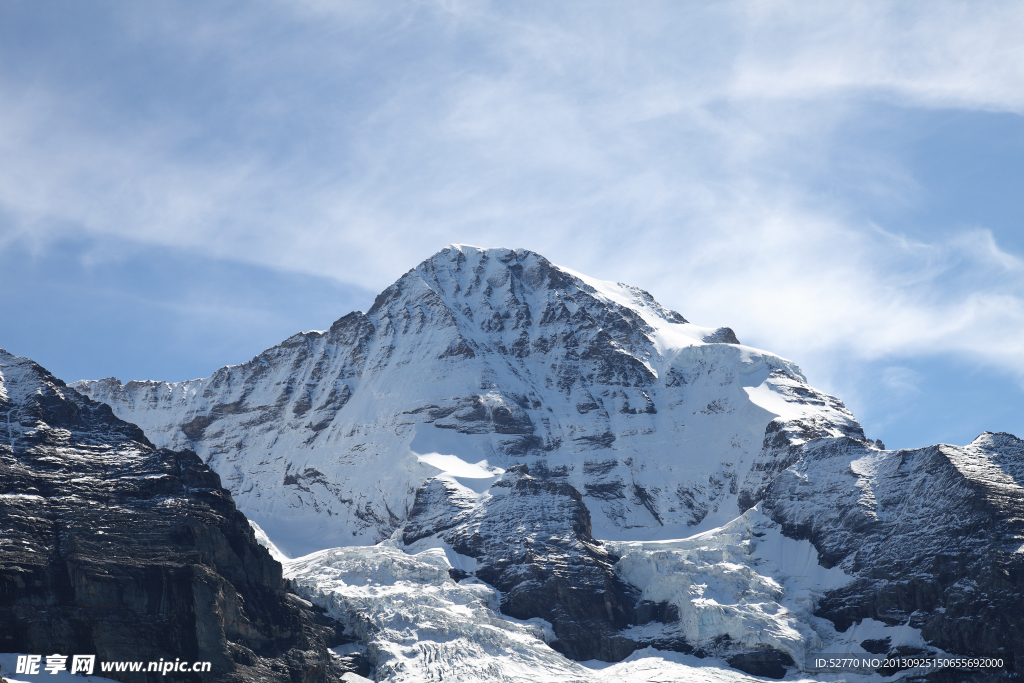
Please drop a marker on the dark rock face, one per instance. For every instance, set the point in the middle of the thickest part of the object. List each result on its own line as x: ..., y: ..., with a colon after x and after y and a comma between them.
x: 785, y: 441
x: 115, y: 548
x: 932, y: 535
x: 532, y: 539
x: 878, y: 646
x: 723, y: 335
x: 766, y: 663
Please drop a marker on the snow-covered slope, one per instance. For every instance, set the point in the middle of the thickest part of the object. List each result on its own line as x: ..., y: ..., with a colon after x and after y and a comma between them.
x: 475, y: 361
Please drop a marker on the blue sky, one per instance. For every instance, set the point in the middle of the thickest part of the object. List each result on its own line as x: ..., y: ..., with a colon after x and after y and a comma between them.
x: 841, y: 183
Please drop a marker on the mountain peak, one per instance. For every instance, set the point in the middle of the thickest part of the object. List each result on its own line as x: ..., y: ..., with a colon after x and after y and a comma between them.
x: 479, y: 359
x: 513, y: 293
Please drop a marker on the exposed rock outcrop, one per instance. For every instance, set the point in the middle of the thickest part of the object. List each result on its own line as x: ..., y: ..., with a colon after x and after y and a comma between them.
x: 532, y: 540
x: 115, y: 548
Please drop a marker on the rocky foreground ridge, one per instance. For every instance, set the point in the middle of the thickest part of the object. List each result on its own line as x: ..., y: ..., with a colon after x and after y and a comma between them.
x: 116, y: 548
x: 550, y: 433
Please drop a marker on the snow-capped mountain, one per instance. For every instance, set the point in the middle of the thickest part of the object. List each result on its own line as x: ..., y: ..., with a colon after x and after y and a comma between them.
x: 598, y: 474
x: 473, y: 362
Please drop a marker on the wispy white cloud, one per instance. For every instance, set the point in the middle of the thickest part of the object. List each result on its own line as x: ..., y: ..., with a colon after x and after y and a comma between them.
x: 945, y: 54
x: 900, y: 380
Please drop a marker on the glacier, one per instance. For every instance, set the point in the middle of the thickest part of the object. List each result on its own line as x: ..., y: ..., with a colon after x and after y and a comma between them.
x: 744, y: 580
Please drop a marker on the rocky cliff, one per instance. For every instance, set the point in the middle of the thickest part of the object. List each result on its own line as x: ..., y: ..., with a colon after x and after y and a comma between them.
x: 116, y: 548
x: 532, y: 541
